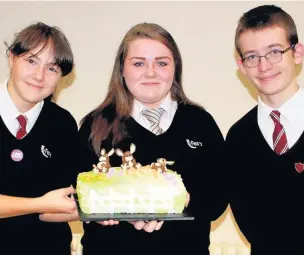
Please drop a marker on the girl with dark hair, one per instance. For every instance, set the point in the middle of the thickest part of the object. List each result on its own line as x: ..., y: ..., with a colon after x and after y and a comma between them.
x: 38, y: 145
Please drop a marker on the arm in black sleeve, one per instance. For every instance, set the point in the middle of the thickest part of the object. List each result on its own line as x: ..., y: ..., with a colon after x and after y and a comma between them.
x: 87, y: 155
x: 215, y: 164
x: 69, y: 158
x: 236, y: 167
x: 219, y: 181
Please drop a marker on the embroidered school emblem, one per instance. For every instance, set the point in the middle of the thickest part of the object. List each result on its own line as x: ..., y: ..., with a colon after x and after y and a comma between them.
x: 299, y: 167
x: 17, y: 155
x: 45, y: 152
x: 193, y: 144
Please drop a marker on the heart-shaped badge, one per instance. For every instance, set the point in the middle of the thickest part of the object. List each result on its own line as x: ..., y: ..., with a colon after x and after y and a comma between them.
x: 299, y: 167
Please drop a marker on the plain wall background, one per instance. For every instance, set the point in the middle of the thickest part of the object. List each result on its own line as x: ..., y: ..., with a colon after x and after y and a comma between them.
x: 204, y: 32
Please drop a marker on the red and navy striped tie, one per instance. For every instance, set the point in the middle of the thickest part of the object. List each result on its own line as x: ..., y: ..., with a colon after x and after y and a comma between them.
x: 280, y: 144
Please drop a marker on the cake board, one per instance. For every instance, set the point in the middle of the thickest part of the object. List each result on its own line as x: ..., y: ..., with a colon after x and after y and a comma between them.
x: 132, y: 216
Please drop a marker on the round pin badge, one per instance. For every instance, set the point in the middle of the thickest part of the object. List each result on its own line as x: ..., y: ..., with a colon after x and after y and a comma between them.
x: 17, y: 155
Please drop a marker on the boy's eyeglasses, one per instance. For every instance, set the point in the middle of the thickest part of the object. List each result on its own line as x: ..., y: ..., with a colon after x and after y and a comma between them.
x: 272, y: 57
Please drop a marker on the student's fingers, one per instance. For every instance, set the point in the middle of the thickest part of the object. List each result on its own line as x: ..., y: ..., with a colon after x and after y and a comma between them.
x: 59, y: 217
x: 69, y: 191
x: 44, y: 216
x: 113, y: 222
x: 148, y: 226
x: 73, y: 206
x: 108, y: 222
x: 187, y: 199
x: 151, y: 226
x: 52, y: 217
x: 103, y: 223
x: 159, y: 225
x: 72, y: 197
x: 68, y: 208
x: 139, y: 224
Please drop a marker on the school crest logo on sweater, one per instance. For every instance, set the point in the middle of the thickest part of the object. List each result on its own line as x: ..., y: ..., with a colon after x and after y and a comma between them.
x: 299, y: 167
x: 193, y: 144
x: 45, y: 152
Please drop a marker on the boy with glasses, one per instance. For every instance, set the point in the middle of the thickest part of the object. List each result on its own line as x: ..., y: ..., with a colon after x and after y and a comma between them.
x: 266, y: 146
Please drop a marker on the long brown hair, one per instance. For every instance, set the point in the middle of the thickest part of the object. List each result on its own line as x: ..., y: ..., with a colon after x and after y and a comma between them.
x: 109, y: 117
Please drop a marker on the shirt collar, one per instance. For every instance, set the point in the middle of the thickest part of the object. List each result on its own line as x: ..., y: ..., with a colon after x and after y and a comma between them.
x: 168, y: 105
x: 264, y: 110
x: 7, y: 108
x: 291, y: 110
x: 9, y: 111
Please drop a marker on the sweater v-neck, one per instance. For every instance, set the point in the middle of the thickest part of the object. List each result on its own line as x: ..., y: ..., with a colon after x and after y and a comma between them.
x: 133, y: 124
x: 262, y: 138
x: 33, y: 130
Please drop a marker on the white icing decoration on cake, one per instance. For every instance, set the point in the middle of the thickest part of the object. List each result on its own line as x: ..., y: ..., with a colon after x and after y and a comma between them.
x: 131, y: 190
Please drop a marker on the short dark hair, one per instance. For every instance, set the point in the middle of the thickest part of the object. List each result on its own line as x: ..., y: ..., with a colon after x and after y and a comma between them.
x: 266, y: 16
x: 36, y: 34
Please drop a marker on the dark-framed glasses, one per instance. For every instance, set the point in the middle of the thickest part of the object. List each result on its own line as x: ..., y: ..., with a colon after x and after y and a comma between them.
x: 272, y: 57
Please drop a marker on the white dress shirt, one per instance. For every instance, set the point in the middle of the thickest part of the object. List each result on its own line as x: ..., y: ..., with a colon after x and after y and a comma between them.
x: 168, y: 105
x: 292, y: 118
x: 9, y: 112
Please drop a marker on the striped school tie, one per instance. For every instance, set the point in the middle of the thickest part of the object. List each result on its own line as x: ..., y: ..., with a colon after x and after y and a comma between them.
x: 22, y: 128
x: 279, y: 138
x: 153, y: 116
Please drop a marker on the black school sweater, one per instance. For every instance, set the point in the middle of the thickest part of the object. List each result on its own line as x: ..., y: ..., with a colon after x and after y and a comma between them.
x: 267, y: 197
x: 55, y: 131
x: 201, y: 172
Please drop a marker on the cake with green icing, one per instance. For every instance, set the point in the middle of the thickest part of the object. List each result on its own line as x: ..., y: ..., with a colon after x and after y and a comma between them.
x: 130, y: 188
